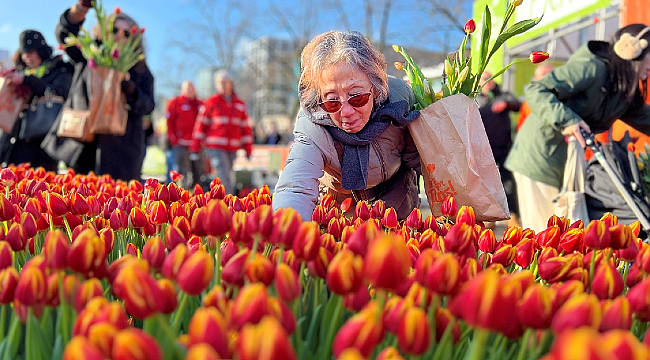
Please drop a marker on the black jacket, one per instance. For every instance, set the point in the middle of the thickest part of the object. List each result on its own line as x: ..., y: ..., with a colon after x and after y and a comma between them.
x: 119, y: 156
x: 56, y: 79
x: 497, y: 126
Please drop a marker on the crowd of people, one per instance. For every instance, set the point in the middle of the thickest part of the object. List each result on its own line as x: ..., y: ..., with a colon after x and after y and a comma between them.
x: 350, y: 137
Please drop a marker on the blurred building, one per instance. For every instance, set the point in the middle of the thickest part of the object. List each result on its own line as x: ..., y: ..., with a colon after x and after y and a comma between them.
x: 205, y: 82
x: 272, y: 78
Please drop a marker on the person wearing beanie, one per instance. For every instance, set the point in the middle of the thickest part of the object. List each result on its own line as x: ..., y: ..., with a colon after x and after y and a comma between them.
x: 38, y: 74
x: 118, y: 156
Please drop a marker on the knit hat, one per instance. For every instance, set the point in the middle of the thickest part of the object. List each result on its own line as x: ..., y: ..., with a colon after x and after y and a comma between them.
x: 30, y: 40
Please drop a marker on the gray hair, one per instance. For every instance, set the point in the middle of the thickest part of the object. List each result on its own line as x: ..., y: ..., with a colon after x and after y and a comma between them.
x: 333, y: 47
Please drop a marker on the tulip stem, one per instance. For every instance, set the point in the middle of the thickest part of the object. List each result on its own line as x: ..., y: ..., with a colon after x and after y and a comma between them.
x: 169, y: 333
x: 524, y: 344
x: 626, y: 269
x: 63, y: 331
x: 3, y: 319
x: 592, y: 266
x: 477, y: 348
x: 29, y: 354
x: 176, y: 320
x: 334, y: 326
x: 67, y: 227
x: 217, y: 266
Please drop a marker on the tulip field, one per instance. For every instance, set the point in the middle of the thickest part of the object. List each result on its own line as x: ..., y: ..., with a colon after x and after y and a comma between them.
x: 93, y: 268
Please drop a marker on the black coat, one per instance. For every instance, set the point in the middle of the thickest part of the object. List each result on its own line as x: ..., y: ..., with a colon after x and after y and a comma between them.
x: 497, y: 125
x: 56, y: 79
x: 119, y: 156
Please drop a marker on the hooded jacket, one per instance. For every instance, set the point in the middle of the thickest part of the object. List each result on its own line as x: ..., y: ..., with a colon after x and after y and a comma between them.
x: 578, y: 90
x: 313, y: 161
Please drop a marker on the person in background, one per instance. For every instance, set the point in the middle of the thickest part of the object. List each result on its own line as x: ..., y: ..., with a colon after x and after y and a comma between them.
x: 181, y: 115
x: 272, y: 137
x: 223, y: 128
x: 540, y: 71
x: 600, y: 83
x: 495, y: 107
x: 38, y: 73
x: 119, y: 156
x: 351, y: 138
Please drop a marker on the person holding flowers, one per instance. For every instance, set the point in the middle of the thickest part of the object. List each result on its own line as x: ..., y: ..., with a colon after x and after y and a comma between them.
x: 351, y: 137
x: 119, y: 156
x: 600, y: 83
x: 39, y: 75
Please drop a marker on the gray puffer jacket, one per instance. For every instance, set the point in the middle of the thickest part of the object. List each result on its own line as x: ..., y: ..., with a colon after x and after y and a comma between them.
x: 314, y: 162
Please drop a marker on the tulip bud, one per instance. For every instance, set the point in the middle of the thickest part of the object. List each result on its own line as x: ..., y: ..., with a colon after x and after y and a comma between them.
x: 209, y: 326
x: 399, y: 66
x: 286, y: 223
x: 378, y: 209
x: 287, y: 283
x: 6, y: 259
x: 218, y: 219
x: 597, y: 235
x: 201, y: 351
x: 154, y: 252
x: 362, y: 331
x: 443, y: 276
x: 87, y: 290
x: 267, y: 340
x: 607, y: 282
x: 470, y: 26
x: 135, y: 344
x: 174, y: 261
x: 449, y: 70
x: 617, y: 314
x: 217, y: 298
x: 137, y: 218
x: 387, y: 262
x: 195, y: 273
x: 8, y: 283
x: 56, y: 204
x: 525, y: 252
x: 580, y: 310
x: 537, y: 57
x: 318, y: 266
x: 345, y: 273
x: 414, y: 220
x: 81, y: 348
x: 487, y: 242
x: 118, y: 220
x: 31, y: 288
x: 139, y: 291
x: 459, y: 237
x: 414, y: 332
x: 536, y: 308
x: 233, y: 270
x: 621, y: 236
x: 571, y: 240
x: 250, y: 306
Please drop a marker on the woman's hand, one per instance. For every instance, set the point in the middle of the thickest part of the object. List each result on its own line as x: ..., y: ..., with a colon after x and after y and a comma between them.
x: 77, y: 13
x: 15, y: 78
x: 574, y: 130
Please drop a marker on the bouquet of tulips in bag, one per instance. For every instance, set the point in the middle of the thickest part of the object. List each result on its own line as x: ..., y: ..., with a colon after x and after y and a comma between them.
x: 110, y: 57
x: 454, y: 149
x: 93, y: 268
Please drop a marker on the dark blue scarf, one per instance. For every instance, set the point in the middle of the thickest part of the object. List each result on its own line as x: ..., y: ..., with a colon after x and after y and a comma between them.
x: 356, y: 152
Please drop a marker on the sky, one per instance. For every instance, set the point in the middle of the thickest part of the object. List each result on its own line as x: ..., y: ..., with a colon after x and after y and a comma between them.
x: 175, y: 19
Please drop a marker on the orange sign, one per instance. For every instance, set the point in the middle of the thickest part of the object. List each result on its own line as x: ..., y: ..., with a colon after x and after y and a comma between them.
x: 437, y: 191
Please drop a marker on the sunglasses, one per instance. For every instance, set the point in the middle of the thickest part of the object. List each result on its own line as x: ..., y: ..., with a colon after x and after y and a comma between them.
x: 127, y: 33
x: 356, y: 100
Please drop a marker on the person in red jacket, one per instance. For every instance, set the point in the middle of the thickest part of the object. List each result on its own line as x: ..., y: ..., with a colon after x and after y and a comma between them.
x: 223, y: 128
x: 181, y: 115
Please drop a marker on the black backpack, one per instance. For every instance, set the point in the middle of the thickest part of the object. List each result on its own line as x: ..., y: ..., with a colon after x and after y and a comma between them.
x: 601, y: 194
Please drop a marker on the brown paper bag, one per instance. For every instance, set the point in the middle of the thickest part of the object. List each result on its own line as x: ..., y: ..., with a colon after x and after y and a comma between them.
x: 10, y: 105
x: 457, y: 159
x: 108, y: 114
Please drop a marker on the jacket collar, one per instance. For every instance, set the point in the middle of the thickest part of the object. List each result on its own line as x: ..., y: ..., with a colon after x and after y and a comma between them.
x: 599, y: 48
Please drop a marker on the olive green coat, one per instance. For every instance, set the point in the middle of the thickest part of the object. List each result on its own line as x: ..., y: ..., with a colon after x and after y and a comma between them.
x: 578, y: 90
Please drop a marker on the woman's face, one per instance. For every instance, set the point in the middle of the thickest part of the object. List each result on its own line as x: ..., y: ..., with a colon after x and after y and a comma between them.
x: 31, y: 58
x: 645, y: 68
x: 340, y: 82
x: 121, y: 24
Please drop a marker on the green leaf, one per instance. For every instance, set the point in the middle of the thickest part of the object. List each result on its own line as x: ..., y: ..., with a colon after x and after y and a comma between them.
x: 485, y: 39
x: 514, y: 30
x: 314, y: 327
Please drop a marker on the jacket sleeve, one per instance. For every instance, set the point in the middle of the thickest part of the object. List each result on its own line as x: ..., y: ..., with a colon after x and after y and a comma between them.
x: 298, y: 184
x: 545, y: 97
x: 141, y: 101
x: 170, y: 114
x: 60, y: 84
x: 247, y: 134
x: 638, y: 118
x: 410, y: 154
x: 63, y: 29
x: 200, y: 127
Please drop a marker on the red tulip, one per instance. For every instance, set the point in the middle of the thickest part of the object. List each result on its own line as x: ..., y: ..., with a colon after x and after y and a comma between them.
x: 80, y: 348
x: 250, y: 306
x: 389, y: 220
x: 362, y: 331
x: 537, y: 57
x: 195, y: 273
x: 387, y: 262
x: 470, y: 26
x: 536, y: 308
x: 266, y: 340
x: 345, y: 273
x: 580, y: 310
x: 617, y: 314
x: 209, y: 326
x: 218, y: 219
x: 597, y: 235
x: 607, y: 282
x: 8, y: 283
x: 449, y: 207
x: 135, y: 344
x: 287, y: 283
x: 414, y: 332
x: 31, y: 288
